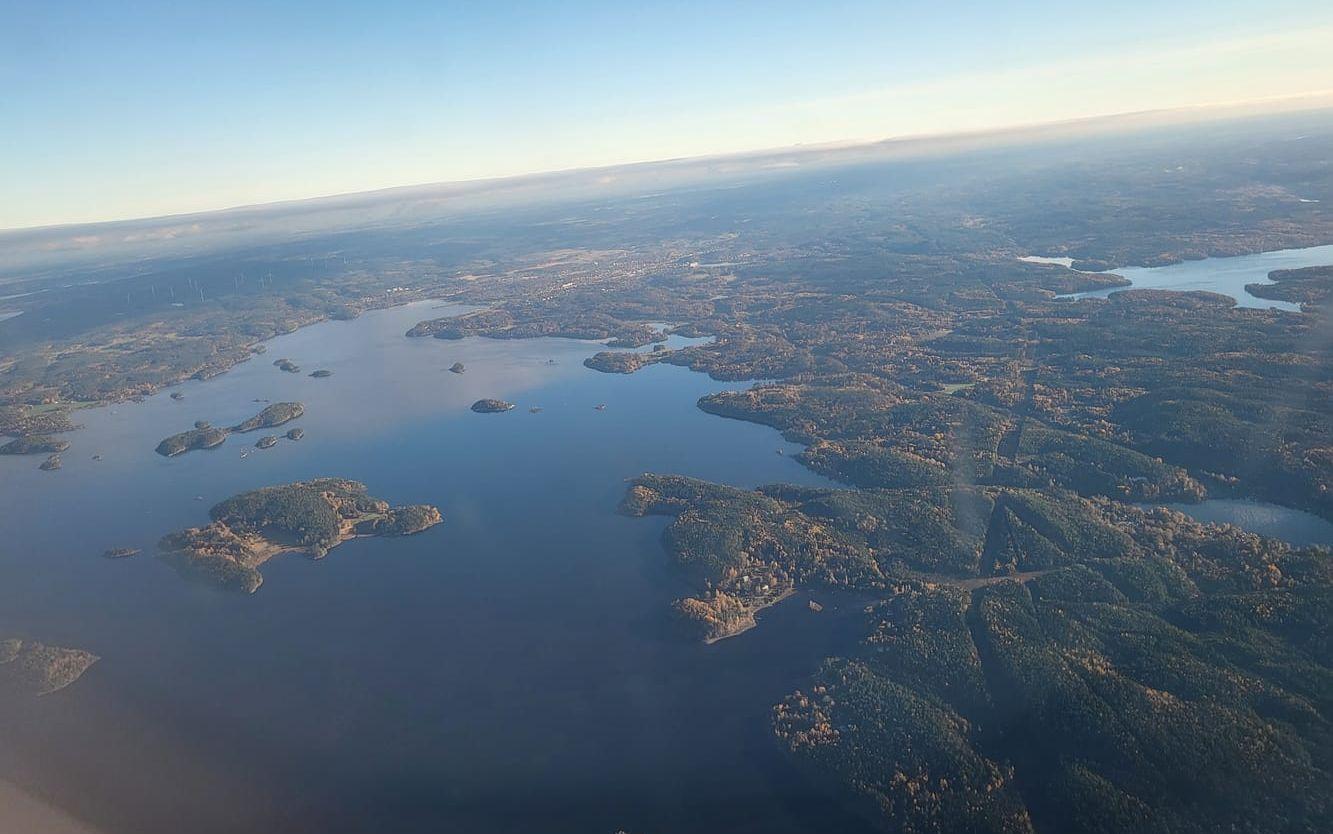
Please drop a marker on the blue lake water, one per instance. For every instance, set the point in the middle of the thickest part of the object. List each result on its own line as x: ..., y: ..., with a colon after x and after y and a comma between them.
x: 1227, y: 276
x: 510, y: 670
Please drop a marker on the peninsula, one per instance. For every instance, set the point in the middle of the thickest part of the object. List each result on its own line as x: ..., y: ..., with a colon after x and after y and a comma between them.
x: 34, y: 445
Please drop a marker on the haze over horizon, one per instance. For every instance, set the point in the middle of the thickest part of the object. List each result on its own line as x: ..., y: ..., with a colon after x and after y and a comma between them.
x: 915, y: 144
x: 131, y: 116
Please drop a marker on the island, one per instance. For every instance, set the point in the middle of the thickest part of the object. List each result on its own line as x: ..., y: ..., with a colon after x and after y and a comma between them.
x: 287, y: 365
x: 120, y: 552
x: 310, y: 517
x: 272, y: 416
x: 34, y: 668
x: 34, y: 445
x: 295, y: 434
x: 51, y: 464
x: 321, y: 374
x: 457, y: 368
x: 177, y: 396
x: 206, y: 437
x: 620, y: 361
x: 266, y: 442
x: 491, y: 406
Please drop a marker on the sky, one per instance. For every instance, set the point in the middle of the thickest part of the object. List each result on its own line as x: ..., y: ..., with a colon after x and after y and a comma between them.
x: 112, y: 110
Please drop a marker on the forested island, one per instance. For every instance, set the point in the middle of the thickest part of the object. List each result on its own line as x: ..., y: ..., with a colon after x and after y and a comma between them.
x: 204, y: 435
x: 619, y: 361
x: 33, y: 668
x: 310, y: 517
x: 491, y: 406
x: 271, y: 416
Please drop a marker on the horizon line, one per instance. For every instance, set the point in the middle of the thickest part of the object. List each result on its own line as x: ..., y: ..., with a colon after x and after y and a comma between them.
x: 1316, y: 99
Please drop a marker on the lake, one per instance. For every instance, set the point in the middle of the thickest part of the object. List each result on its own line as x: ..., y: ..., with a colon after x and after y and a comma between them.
x: 1296, y: 527
x: 512, y: 669
x: 1227, y: 276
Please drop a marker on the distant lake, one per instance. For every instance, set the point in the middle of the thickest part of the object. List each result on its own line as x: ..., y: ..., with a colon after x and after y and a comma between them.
x: 1227, y: 276
x: 513, y: 669
x: 1294, y: 526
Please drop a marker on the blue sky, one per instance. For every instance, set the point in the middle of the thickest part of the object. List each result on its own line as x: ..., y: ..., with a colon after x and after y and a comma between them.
x: 111, y: 110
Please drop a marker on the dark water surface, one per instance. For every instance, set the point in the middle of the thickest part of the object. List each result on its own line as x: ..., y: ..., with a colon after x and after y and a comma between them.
x: 509, y: 670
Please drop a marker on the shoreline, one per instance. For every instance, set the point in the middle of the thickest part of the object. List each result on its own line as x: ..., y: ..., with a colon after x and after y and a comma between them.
x: 708, y: 641
x: 225, y: 363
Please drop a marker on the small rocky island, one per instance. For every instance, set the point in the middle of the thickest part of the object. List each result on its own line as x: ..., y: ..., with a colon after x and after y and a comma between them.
x: 491, y: 406
x: 271, y: 416
x: 295, y: 434
x: 457, y: 368
x: 37, y: 444
x: 287, y: 365
x: 203, y: 436
x: 51, y: 464
x: 321, y: 374
x: 620, y: 361
x: 268, y: 441
x: 37, y: 669
x: 120, y: 552
x: 310, y: 517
